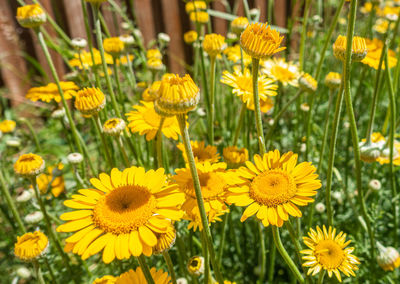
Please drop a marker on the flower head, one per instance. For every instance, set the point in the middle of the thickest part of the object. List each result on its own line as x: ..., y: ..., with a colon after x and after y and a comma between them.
x: 239, y: 24
x: 199, y: 17
x: 7, y: 126
x: 195, y: 265
x: 375, y: 48
x: 328, y: 251
x: 137, y: 277
x: 154, y: 64
x: 388, y: 258
x: 113, y: 45
x: 146, y: 121
x: 177, y: 95
x: 165, y: 240
x: 127, y: 39
x: 75, y: 158
x: 31, y: 16
x: 195, y: 6
x: 29, y: 165
x: 106, y: 279
x: 260, y: 41
x: 282, y: 71
x: 31, y: 246
x: 272, y: 187
x: 50, y: 92
x: 201, y: 152
x: 214, y: 44
x: 78, y: 43
x: 153, y: 53
x: 233, y: 54
x: 333, y: 80
x: 121, y: 214
x: 307, y: 83
x: 358, y: 52
x: 90, y: 101
x: 34, y: 217
x: 114, y: 126
x: 85, y: 61
x: 57, y: 180
x: 235, y: 156
x: 190, y: 37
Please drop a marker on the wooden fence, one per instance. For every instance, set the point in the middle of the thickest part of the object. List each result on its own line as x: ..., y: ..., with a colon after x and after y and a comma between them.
x: 153, y: 16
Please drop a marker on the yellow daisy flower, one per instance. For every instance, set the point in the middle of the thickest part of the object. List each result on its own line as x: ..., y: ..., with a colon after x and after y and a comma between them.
x: 272, y: 187
x: 113, y: 45
x: 121, y: 214
x: 31, y: 245
x: 7, y: 126
x: 328, y: 252
x: 137, y: 277
x: 358, y: 51
x: 31, y: 16
x: 199, y: 17
x: 213, y: 181
x: 235, y: 156
x: 146, y: 121
x: 90, y: 101
x: 29, y: 165
x: 242, y: 85
x: 307, y: 83
x: 375, y: 47
x: 107, y: 279
x: 190, y: 37
x: 239, y: 24
x: 153, y: 53
x: 233, y: 54
x: 282, y: 71
x: 201, y: 152
x: 57, y: 186
x: 87, y: 61
x: 195, y: 265
x: 333, y: 80
x: 213, y: 44
x: 195, y: 6
x: 50, y: 92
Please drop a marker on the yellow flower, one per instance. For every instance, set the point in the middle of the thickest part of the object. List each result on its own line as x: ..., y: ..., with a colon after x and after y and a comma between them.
x: 233, y: 54
x: 213, y: 181
x: 328, y: 252
x: 50, y: 92
x: 122, y: 213
x: 199, y: 17
x: 29, y: 165
x: 379, y: 145
x: 113, y: 45
x: 381, y: 26
x: 195, y: 265
x: 239, y: 24
x: 151, y: 93
x: 107, y: 279
x: 388, y: 258
x: 358, y: 52
x: 201, y: 153
x: 7, y: 126
x: 114, y: 126
x: 87, y: 60
x: 260, y: 41
x: 235, y: 156
x: 190, y: 37
x: 272, y: 187
x: 137, y: 277
x: 307, y: 83
x: 57, y: 186
x: 31, y: 246
x: 375, y: 47
x: 90, y: 101
x: 282, y: 71
x: 155, y: 64
x: 153, y: 53
x: 124, y: 59
x: 145, y: 120
x: 165, y: 240
x: 31, y: 16
x: 195, y: 6
x: 214, y: 44
x: 242, y: 85
x: 333, y: 80
x: 177, y: 95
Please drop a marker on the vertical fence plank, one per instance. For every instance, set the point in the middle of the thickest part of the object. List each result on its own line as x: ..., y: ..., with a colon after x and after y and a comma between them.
x: 13, y: 66
x: 262, y: 5
x: 220, y: 25
x: 173, y: 28
x: 280, y: 12
x: 145, y: 19
x: 74, y: 14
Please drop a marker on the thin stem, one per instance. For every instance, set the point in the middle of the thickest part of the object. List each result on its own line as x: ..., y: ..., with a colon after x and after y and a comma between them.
x: 159, y: 144
x: 116, y: 76
x: 212, y: 102
x: 285, y: 255
x: 321, y: 277
x: 99, y: 130
x: 10, y: 203
x: 272, y: 254
x: 123, y: 152
x: 262, y: 250
x: 170, y: 265
x: 206, y: 255
x: 223, y: 237
x: 53, y: 278
x: 38, y: 273
x: 33, y: 133
x: 308, y: 125
x: 199, y: 196
x: 304, y: 34
x: 257, y: 110
x: 392, y: 105
x: 239, y: 125
x: 145, y: 269
x: 246, y: 9
x: 131, y: 76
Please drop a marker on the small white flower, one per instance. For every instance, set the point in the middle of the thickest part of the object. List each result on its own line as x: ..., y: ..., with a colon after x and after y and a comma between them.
x: 232, y: 36
x: 23, y: 272
x: 320, y: 207
x: 75, y: 158
x: 181, y: 281
x: 338, y: 196
x: 125, y: 26
x: 163, y: 37
x: 374, y: 185
x: 25, y: 195
x: 392, y: 17
x: 13, y: 142
x: 305, y: 107
x: 78, y: 43
x: 58, y: 113
x: 201, y: 112
x: 254, y: 12
x: 346, y: 125
x: 303, y: 147
x: 127, y: 39
x: 34, y: 217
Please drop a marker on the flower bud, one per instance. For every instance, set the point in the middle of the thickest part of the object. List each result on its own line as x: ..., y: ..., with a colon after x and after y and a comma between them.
x: 374, y: 185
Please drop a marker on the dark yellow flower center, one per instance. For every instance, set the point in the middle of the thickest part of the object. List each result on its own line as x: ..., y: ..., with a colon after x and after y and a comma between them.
x: 124, y: 209
x: 27, y: 159
x: 272, y: 188
x: 329, y: 254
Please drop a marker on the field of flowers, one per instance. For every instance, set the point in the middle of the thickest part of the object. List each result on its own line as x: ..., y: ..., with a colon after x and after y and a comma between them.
x: 273, y: 159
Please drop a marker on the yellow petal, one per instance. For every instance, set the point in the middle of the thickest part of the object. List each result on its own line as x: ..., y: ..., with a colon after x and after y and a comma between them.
x: 73, y: 215
x: 109, y: 249
x: 135, y: 245
x: 79, y: 235
x: 147, y: 236
x: 76, y: 225
x: 97, y: 245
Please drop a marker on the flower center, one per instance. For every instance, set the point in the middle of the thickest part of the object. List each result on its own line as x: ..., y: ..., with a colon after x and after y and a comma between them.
x: 27, y: 159
x: 273, y: 188
x: 212, y: 185
x: 329, y: 254
x: 124, y: 209
x: 245, y: 84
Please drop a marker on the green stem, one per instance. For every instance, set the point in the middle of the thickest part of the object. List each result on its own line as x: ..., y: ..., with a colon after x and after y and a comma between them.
x: 199, y: 196
x: 123, y: 152
x: 131, y: 76
x: 99, y: 130
x: 353, y: 126
x: 257, y: 110
x: 212, y: 102
x: 321, y: 277
x: 206, y: 255
x: 270, y: 11
x: 223, y: 237
x: 246, y: 9
x: 304, y: 34
x: 262, y: 250
x: 119, y: 91
x: 392, y: 105
x: 53, y: 278
x: 285, y: 255
x: 159, y: 144
x: 145, y: 269
x: 99, y: 37
x: 272, y: 254
x: 10, y: 203
x: 33, y: 133
x: 170, y: 265
x: 239, y: 125
x: 38, y: 273
x: 308, y: 126
x: 294, y: 237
